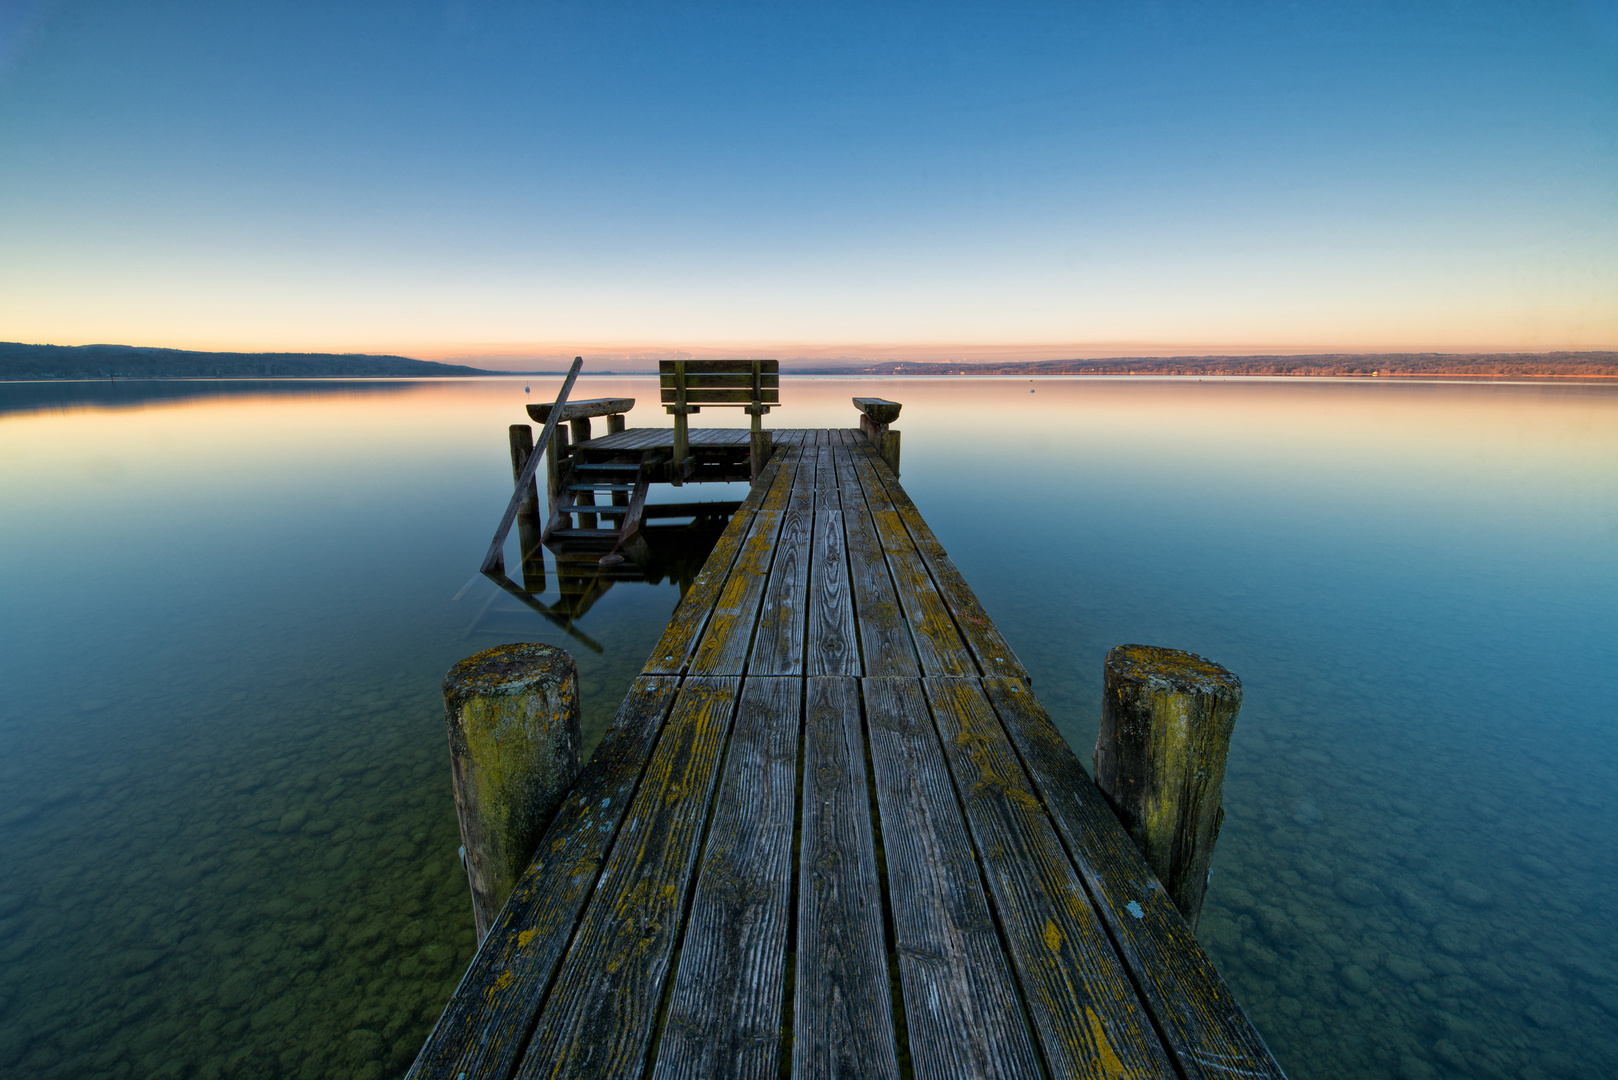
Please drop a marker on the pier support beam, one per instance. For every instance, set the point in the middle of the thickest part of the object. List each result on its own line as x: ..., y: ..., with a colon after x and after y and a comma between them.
x: 513, y: 717
x: 530, y: 529
x: 1166, y: 720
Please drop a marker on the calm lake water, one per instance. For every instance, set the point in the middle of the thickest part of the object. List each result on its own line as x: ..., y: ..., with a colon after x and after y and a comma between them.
x: 228, y: 840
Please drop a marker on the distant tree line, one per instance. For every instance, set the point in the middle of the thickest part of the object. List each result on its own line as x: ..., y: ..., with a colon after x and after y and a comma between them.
x: 1563, y: 364
x: 20, y: 361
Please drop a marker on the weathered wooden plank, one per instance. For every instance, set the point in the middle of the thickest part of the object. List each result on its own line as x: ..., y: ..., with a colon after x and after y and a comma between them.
x: 961, y: 1009
x: 685, y: 628
x: 701, y: 395
x: 724, y: 1017
x: 831, y: 642
x: 723, y: 647
x: 842, y: 1010
x: 886, y: 647
x: 578, y: 410
x: 719, y: 436
x: 1084, y: 1013
x: 994, y: 656
x: 702, y: 367
x: 729, y: 378
x: 938, y: 644
x: 1210, y: 1036
x: 778, y: 645
x: 485, y: 1026
x: 599, y: 1018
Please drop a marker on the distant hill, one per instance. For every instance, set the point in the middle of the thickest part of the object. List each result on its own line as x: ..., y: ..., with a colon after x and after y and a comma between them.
x: 1555, y: 364
x: 19, y: 361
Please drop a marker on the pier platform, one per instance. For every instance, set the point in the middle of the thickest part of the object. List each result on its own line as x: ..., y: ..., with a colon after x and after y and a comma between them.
x: 832, y: 833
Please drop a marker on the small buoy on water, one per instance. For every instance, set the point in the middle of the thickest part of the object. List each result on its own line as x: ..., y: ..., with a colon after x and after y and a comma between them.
x: 525, y: 389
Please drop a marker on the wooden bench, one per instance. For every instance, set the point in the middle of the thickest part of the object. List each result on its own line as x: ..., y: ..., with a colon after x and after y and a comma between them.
x: 875, y: 416
x: 687, y: 385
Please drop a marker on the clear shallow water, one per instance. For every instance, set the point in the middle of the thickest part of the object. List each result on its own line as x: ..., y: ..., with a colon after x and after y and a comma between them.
x: 224, y: 797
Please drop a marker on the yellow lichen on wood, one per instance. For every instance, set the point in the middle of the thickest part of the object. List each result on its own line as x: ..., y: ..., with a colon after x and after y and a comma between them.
x: 513, y: 721
x: 1166, y: 723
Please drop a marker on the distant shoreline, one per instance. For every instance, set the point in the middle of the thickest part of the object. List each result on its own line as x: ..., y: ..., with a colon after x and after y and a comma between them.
x: 60, y: 363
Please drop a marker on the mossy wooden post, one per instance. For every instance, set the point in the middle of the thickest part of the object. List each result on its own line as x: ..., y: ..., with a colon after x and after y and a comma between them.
x: 529, y: 527
x: 513, y: 715
x: 1166, y: 719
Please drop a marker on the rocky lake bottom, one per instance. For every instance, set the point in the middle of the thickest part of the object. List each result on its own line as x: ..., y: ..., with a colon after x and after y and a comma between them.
x: 224, y: 791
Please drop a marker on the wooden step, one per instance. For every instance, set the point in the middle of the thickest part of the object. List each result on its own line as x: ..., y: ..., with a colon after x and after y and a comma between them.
x: 594, y: 508
x: 583, y: 534
x: 601, y: 487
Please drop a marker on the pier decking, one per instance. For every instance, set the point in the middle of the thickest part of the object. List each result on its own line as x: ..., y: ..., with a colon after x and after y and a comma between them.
x: 832, y: 832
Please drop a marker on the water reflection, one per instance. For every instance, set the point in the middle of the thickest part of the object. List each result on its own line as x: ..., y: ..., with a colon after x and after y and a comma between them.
x: 225, y: 813
x: 668, y: 552
x: 74, y: 394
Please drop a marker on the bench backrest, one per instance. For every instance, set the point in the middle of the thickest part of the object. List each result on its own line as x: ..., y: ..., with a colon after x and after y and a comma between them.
x: 720, y: 382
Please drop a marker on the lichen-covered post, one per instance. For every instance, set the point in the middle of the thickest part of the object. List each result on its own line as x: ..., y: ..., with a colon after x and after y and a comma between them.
x: 1166, y: 719
x: 513, y: 716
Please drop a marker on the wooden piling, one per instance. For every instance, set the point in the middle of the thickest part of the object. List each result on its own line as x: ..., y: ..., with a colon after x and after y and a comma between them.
x: 529, y: 527
x: 556, y: 463
x: 513, y: 718
x: 1166, y: 720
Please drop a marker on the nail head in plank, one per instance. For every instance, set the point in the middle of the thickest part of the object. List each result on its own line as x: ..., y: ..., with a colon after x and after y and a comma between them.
x: 1206, y: 1028
x: 1079, y: 998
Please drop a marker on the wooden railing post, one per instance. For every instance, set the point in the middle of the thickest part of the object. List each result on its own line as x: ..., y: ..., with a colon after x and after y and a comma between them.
x: 530, y: 529
x: 513, y: 718
x: 1166, y: 720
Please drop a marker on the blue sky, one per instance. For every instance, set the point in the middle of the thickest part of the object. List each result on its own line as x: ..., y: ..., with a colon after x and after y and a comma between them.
x: 530, y: 180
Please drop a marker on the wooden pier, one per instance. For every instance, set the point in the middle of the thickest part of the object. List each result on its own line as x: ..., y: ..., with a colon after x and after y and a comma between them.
x: 832, y: 832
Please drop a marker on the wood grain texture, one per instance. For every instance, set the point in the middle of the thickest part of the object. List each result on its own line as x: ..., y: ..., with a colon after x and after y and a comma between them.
x: 485, y: 1026
x: 599, y: 1018
x: 1205, y: 1026
x: 994, y: 656
x: 573, y: 410
x: 778, y: 645
x: 703, y: 395
x: 724, y: 1017
x: 961, y: 1008
x: 709, y: 380
x: 832, y: 643
x: 691, y: 617
x: 728, y: 637
x: 1087, y: 1019
x: 886, y: 646
x: 702, y: 367
x: 842, y: 1012
x: 938, y: 645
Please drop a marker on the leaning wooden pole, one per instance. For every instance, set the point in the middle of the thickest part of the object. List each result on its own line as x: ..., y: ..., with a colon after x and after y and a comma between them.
x: 513, y: 717
x: 1166, y: 720
x: 493, y: 560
